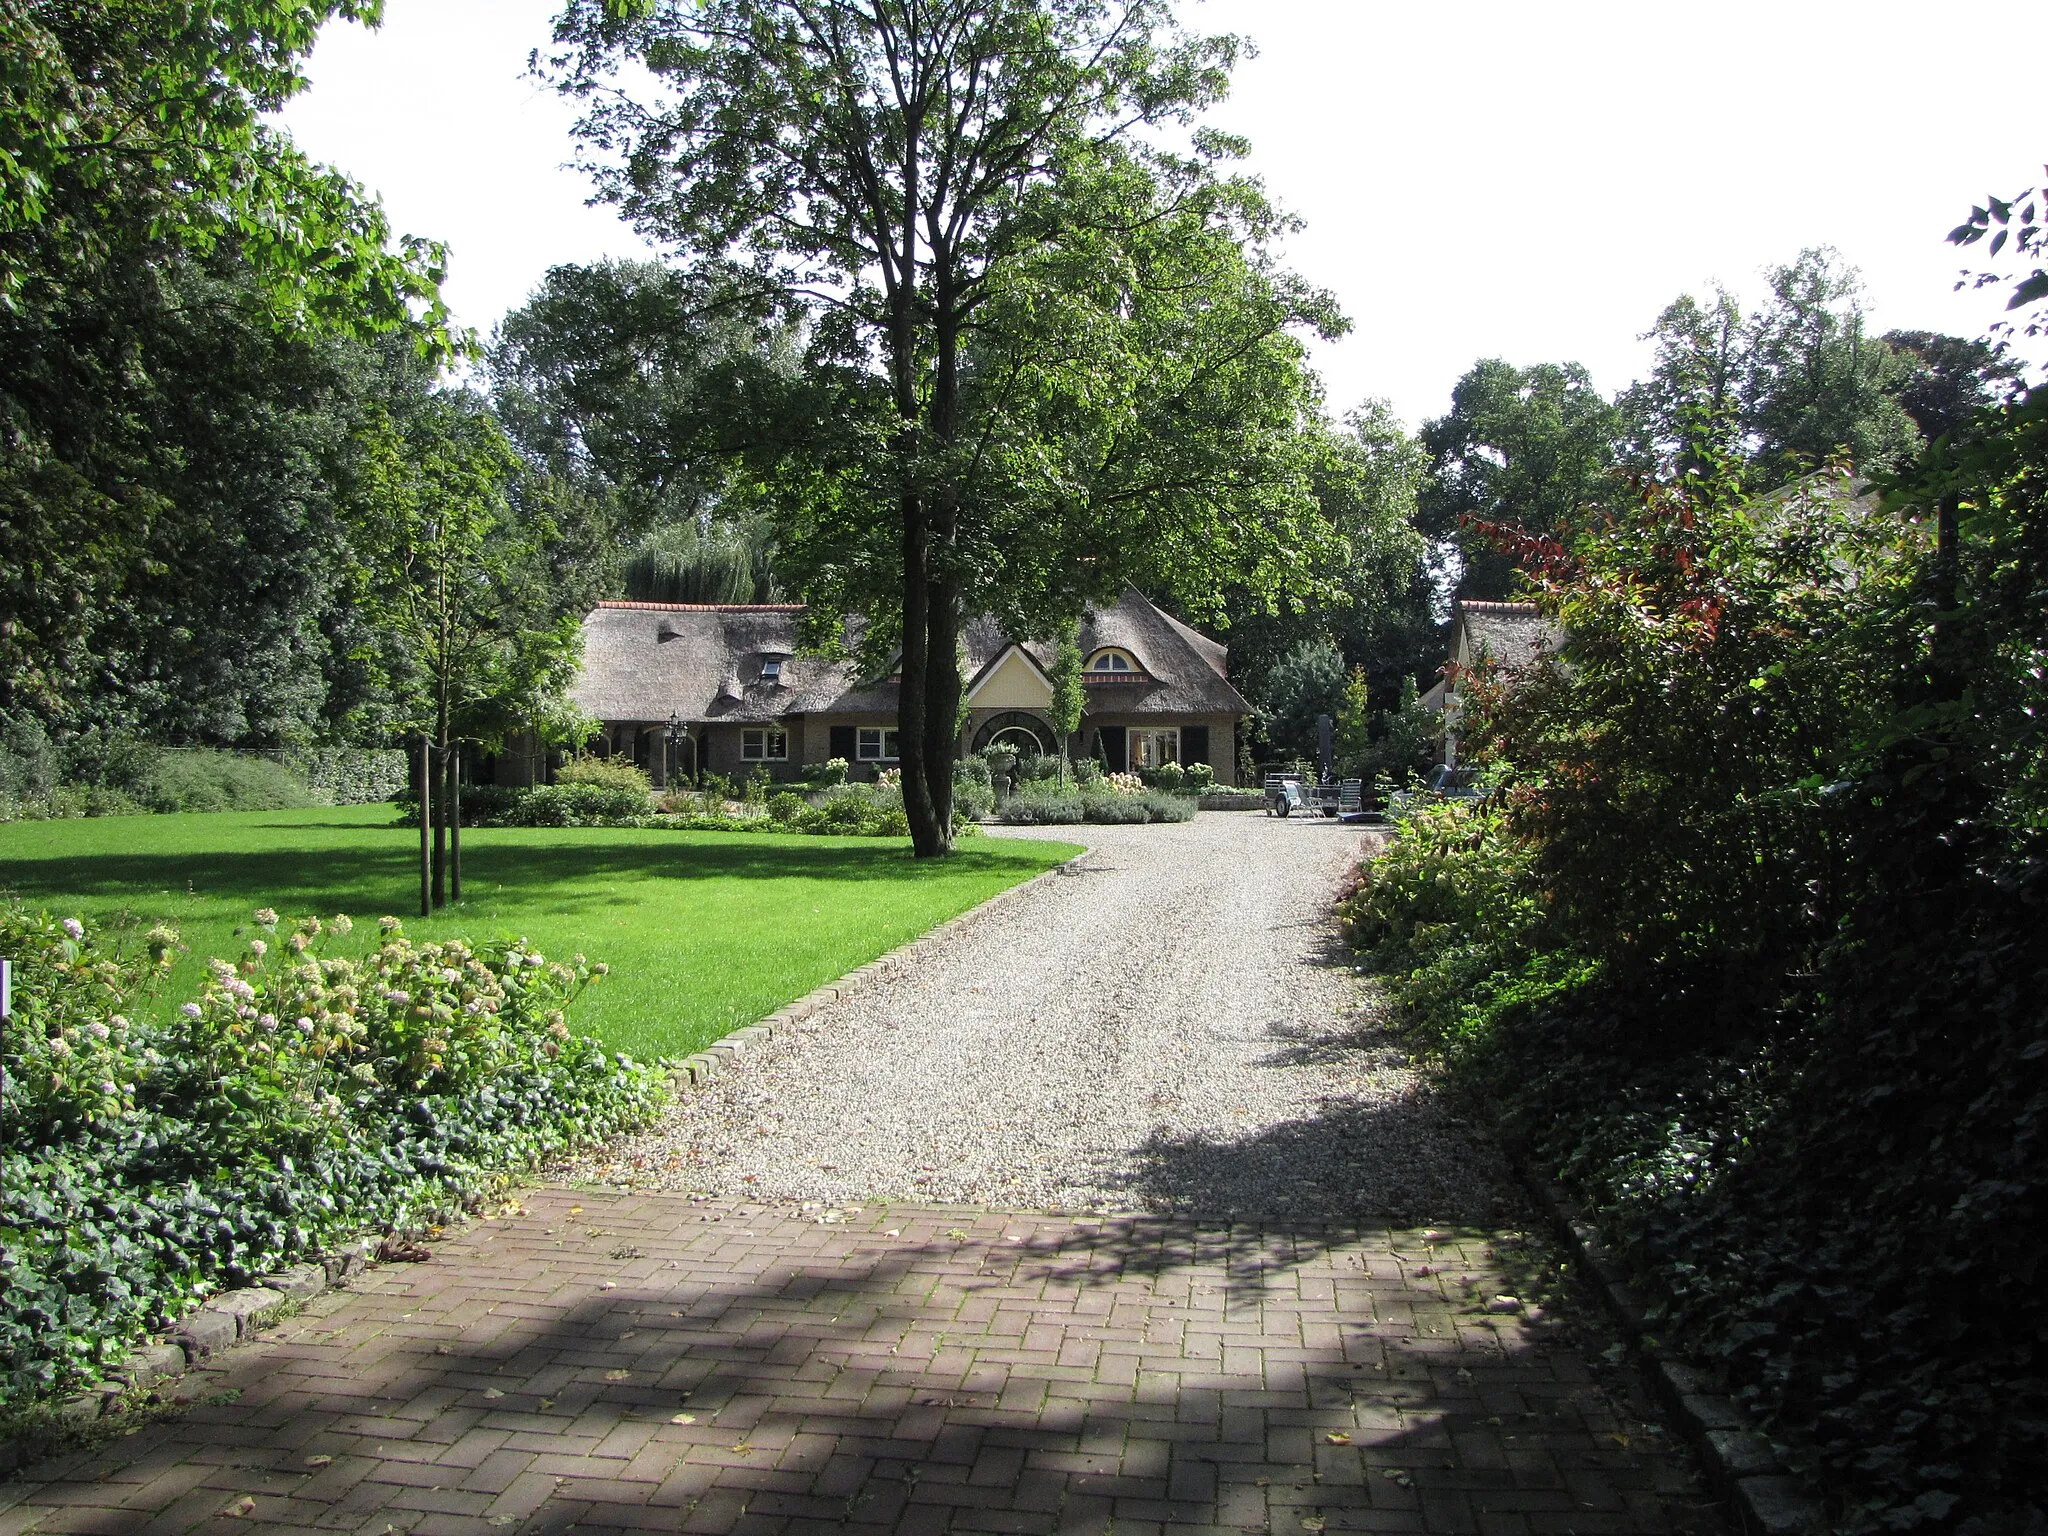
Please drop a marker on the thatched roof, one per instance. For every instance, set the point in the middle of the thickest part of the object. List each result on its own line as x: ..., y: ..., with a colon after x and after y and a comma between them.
x: 1511, y: 634
x: 702, y: 662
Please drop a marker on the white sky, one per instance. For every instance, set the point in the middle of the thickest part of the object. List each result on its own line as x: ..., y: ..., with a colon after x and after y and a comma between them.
x: 1479, y: 179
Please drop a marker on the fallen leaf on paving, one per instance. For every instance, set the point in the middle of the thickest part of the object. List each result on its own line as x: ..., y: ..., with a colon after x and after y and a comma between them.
x: 684, y: 1418
x: 396, y: 1250
x: 319, y: 1461
x: 240, y: 1508
x: 893, y: 1232
x: 492, y: 1392
x: 1620, y: 1440
x: 1311, y: 1522
x: 1338, y: 1438
x: 575, y: 1210
x: 616, y: 1375
x: 547, y: 1402
x: 743, y: 1449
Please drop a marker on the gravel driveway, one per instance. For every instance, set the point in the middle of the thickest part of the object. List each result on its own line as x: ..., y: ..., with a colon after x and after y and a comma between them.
x: 1169, y: 1027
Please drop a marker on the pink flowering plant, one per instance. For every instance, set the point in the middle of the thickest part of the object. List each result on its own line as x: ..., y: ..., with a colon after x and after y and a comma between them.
x: 310, y: 1091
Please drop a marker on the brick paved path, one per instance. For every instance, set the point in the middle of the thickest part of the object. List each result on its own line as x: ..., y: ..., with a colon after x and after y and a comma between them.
x: 650, y: 1363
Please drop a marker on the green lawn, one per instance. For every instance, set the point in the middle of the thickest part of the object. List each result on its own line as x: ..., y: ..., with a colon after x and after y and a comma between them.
x: 704, y: 931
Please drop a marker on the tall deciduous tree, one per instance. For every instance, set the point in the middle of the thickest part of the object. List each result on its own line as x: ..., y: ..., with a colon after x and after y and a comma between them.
x: 1526, y: 447
x: 126, y: 122
x: 1377, y: 594
x: 1064, y: 355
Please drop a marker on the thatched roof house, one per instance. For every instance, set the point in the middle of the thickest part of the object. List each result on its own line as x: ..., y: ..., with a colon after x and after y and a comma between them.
x: 682, y: 686
x: 1511, y: 635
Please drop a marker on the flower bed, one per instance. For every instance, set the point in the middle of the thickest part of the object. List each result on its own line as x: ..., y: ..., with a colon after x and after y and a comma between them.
x: 1048, y: 804
x: 303, y: 1096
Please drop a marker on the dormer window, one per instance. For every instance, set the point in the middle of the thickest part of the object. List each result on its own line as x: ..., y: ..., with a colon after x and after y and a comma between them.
x: 1111, y: 662
x: 771, y: 670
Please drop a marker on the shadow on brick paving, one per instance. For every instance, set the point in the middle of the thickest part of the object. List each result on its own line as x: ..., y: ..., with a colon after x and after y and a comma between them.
x: 635, y: 1362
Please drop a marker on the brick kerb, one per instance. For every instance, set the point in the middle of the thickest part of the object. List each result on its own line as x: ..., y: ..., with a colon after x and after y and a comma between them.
x: 222, y: 1322
x: 1741, y: 1463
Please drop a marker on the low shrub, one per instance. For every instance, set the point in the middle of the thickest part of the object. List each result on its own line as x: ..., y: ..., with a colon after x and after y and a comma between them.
x: 1041, y: 805
x: 200, y: 779
x: 577, y: 805
x: 1050, y: 804
x: 302, y: 1097
x: 605, y: 773
x: 66, y: 801
x: 1447, y: 912
x: 785, y: 808
x: 1197, y: 778
x: 1110, y: 809
x: 1164, y: 807
x: 1169, y: 777
x: 857, y: 810
x: 973, y: 796
x: 351, y: 775
x: 826, y: 775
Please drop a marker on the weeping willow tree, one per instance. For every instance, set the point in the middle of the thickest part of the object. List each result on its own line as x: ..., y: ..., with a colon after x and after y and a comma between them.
x: 722, y: 563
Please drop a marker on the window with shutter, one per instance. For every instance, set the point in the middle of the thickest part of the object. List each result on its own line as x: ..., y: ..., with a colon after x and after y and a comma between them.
x: 842, y: 742
x: 1194, y: 744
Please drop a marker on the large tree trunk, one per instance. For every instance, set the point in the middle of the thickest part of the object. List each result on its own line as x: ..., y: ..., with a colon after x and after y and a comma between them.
x: 930, y: 828
x: 938, y: 597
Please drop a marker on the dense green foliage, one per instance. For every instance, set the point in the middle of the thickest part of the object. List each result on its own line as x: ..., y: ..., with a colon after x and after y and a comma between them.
x: 1528, y: 447
x: 194, y: 323
x: 302, y: 1096
x: 115, y: 775
x: 1750, y: 950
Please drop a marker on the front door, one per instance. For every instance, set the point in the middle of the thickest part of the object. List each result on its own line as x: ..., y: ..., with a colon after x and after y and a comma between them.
x: 1109, y: 745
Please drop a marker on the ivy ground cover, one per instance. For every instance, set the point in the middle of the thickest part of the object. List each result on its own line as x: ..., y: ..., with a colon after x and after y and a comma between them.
x: 703, y: 932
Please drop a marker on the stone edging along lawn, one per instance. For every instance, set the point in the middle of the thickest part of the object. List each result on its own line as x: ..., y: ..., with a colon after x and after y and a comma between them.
x: 714, y: 1058
x: 222, y: 1322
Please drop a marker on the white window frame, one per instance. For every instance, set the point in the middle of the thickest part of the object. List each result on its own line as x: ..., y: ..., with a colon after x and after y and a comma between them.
x: 1143, y: 742
x: 1120, y: 663
x: 764, y: 745
x: 876, y: 744
x: 771, y: 670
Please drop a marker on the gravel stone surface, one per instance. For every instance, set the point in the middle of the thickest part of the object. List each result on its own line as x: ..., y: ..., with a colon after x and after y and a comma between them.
x: 1169, y: 1026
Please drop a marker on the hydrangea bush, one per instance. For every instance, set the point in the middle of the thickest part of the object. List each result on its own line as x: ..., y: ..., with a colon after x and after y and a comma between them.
x: 304, y: 1096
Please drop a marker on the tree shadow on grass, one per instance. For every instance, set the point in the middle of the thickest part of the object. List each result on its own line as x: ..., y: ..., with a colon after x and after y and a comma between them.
x: 652, y: 1366
x: 496, y: 864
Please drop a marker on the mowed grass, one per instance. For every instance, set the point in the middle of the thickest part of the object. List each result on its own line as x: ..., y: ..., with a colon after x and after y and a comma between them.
x: 704, y: 931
